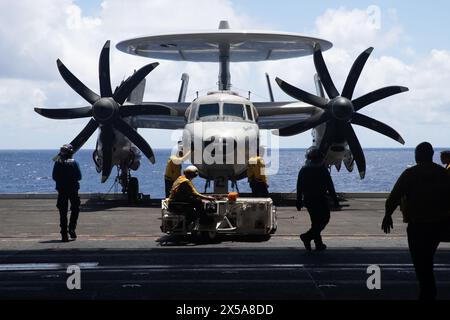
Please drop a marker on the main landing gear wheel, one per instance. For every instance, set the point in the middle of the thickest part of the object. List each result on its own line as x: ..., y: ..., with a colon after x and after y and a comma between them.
x: 208, y: 235
x: 133, y: 190
x: 274, y: 230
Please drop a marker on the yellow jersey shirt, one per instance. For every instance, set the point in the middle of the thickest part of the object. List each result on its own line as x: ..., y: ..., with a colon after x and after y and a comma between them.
x: 182, y: 190
x: 256, y: 170
x: 173, y: 168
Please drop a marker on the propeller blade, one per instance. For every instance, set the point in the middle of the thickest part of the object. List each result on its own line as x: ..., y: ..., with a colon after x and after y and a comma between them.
x: 312, y: 122
x: 135, y: 138
x: 323, y: 72
x: 377, y: 95
x: 355, y: 72
x: 107, y: 141
x: 76, y: 84
x: 72, y: 113
x: 132, y: 82
x: 104, y: 72
x: 84, y: 135
x: 148, y: 109
x: 301, y: 95
x: 375, y: 125
x: 356, y: 149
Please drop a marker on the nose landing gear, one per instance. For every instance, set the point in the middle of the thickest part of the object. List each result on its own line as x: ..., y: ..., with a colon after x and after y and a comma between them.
x: 130, y: 185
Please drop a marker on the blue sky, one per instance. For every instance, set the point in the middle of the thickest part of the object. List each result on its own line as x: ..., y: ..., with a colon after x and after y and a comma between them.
x: 426, y: 22
x: 412, y: 48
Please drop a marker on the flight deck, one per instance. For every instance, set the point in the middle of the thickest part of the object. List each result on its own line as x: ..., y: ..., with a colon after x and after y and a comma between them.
x: 122, y: 254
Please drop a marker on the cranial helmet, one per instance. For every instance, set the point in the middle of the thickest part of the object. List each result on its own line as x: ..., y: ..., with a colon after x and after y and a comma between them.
x: 314, y: 154
x: 66, y: 149
x: 191, y: 170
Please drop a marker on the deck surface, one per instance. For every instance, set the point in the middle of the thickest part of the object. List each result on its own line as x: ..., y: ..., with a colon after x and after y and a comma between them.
x: 123, y: 255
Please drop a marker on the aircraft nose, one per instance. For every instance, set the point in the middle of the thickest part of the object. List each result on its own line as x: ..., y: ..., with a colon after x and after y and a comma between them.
x: 230, y: 149
x: 224, y: 144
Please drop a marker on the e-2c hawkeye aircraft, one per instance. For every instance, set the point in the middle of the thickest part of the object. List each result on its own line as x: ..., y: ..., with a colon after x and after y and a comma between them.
x: 221, y: 129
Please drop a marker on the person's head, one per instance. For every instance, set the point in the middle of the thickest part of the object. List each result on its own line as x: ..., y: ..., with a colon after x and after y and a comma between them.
x: 445, y: 157
x: 191, y: 172
x: 66, y: 151
x: 424, y: 153
x: 314, y: 155
x: 180, y: 153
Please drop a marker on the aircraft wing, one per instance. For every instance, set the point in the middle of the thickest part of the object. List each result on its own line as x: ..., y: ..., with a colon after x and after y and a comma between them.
x: 266, y: 109
x: 277, y: 115
x: 159, y: 122
x: 178, y: 108
x: 279, y: 122
x: 272, y: 115
x: 175, y: 120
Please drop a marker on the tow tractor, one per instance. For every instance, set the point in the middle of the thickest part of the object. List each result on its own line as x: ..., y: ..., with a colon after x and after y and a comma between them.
x: 230, y: 215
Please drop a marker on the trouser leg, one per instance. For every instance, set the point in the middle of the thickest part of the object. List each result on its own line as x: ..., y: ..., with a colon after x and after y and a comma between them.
x: 423, y: 242
x: 259, y: 189
x: 254, y: 190
x: 263, y: 192
x: 320, y: 225
x: 194, y: 210
x: 74, y: 210
x: 62, y: 205
x: 320, y: 216
x: 168, y: 186
x: 199, y: 210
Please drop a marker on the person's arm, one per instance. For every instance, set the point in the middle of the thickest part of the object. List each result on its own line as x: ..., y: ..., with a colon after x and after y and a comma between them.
x: 392, y: 202
x: 186, y: 156
x: 55, y: 173
x: 197, y: 194
x: 299, y: 191
x: 78, y: 171
x: 179, y: 160
x: 207, y: 198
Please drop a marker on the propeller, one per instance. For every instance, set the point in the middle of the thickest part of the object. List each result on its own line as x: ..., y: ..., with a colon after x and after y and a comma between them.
x: 107, y: 110
x: 339, y: 112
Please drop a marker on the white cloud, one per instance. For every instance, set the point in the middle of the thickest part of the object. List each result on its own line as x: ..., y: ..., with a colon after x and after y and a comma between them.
x: 357, y: 29
x: 34, y: 33
x: 421, y: 114
x: 76, y: 21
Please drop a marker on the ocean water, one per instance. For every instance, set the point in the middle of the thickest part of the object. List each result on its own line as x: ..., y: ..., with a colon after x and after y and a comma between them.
x: 30, y: 171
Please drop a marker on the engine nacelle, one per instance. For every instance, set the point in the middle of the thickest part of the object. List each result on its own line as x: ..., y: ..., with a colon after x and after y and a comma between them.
x: 130, y: 158
x: 134, y: 158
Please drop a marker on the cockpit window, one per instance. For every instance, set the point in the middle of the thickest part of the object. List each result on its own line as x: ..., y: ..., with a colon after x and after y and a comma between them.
x: 249, y: 112
x: 207, y: 110
x: 234, y: 110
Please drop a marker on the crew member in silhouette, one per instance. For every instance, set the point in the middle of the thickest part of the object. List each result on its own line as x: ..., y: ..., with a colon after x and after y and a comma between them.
x: 173, y: 170
x: 445, y: 159
x: 67, y: 174
x: 423, y: 192
x: 314, y: 181
x: 184, y: 192
x: 257, y: 177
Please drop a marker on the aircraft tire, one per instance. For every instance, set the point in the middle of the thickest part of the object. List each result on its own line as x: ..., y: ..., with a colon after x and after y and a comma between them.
x: 208, y: 235
x: 133, y: 190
